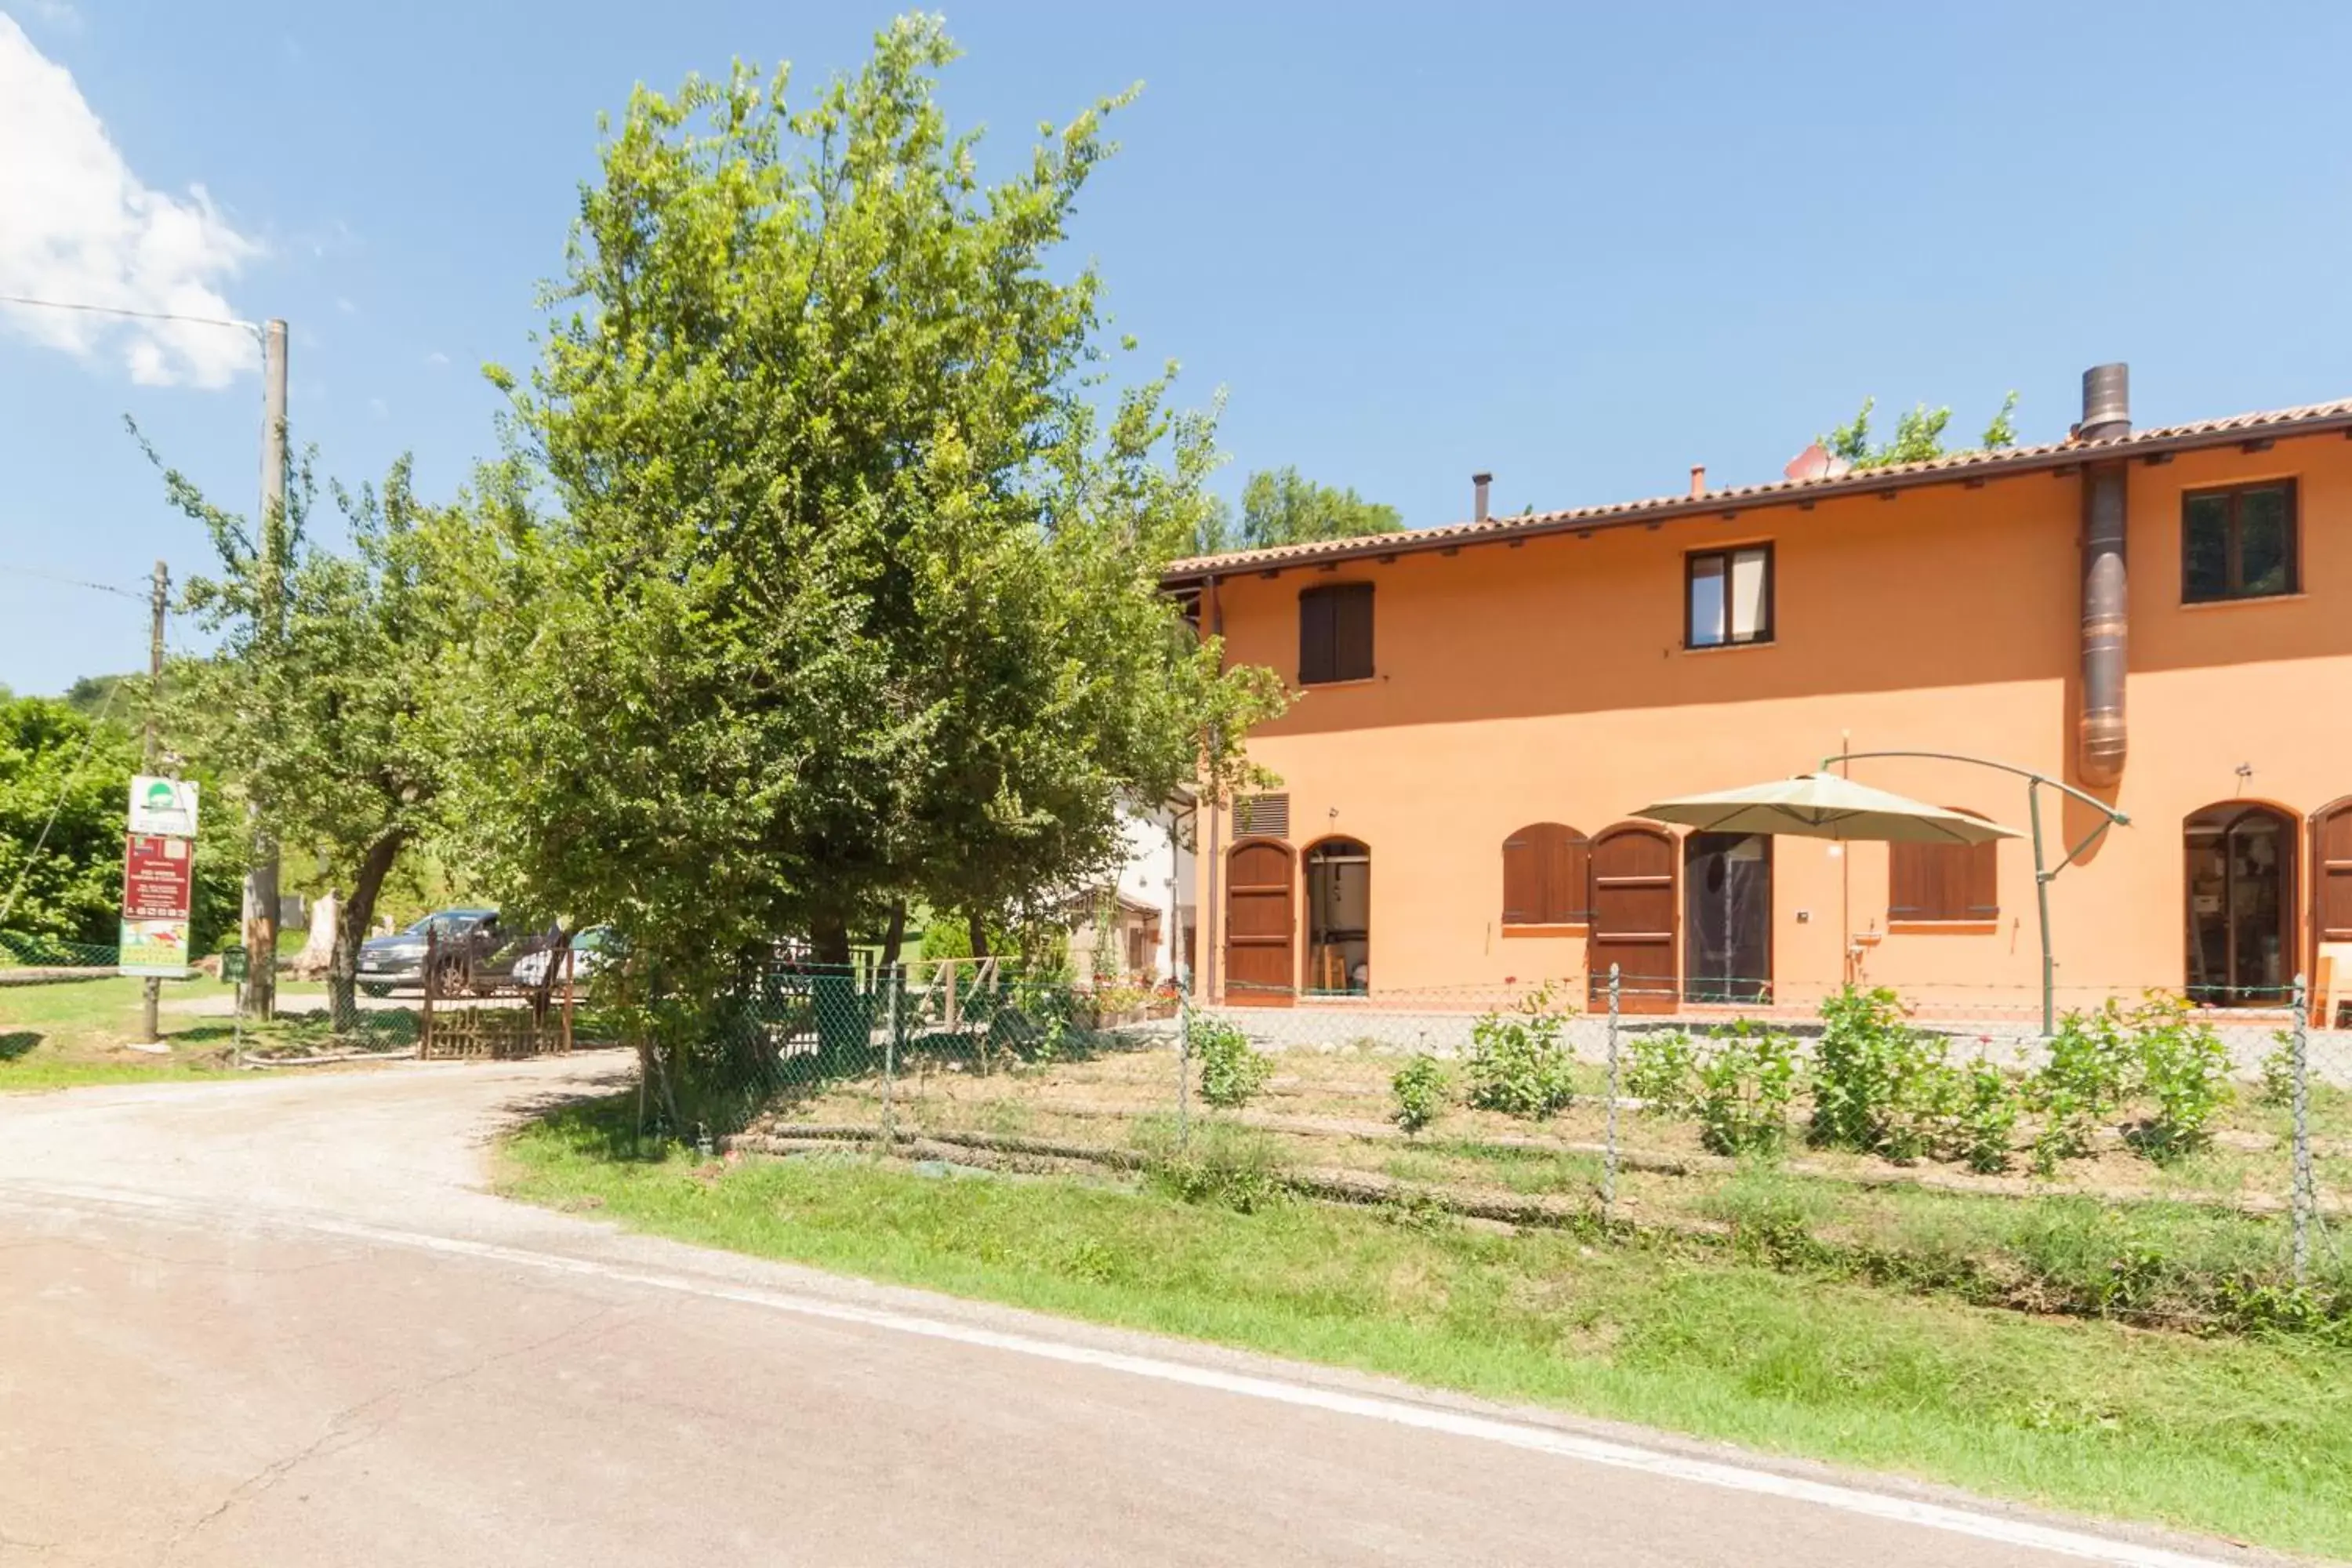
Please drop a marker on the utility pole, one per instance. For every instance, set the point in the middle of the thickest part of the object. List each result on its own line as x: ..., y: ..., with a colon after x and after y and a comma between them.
x: 260, y: 912
x: 150, y: 993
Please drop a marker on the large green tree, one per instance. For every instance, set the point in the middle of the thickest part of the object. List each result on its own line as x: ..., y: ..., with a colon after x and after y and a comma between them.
x: 64, y: 789
x: 821, y: 579
x: 1279, y: 506
x: 315, y: 706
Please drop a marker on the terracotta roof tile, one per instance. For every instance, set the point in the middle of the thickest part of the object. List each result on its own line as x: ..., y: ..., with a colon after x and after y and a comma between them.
x: 2207, y: 432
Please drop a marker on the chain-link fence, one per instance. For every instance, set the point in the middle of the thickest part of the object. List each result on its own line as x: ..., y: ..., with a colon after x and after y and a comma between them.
x: 2152, y: 1159
x: 27, y: 958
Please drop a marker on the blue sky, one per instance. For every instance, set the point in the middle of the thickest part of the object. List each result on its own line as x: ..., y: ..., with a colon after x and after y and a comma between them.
x: 1584, y: 246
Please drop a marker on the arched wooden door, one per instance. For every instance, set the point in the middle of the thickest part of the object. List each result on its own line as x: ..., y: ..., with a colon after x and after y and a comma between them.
x: 1635, y: 912
x: 2331, y: 876
x: 1261, y: 884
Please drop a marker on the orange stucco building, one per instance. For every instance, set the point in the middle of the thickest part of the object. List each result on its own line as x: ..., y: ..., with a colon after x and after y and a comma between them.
x: 2161, y: 617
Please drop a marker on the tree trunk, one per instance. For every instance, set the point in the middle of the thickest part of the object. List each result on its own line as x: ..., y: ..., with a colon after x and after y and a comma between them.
x: 978, y: 927
x: 829, y: 940
x: 542, y: 995
x: 351, y: 929
x: 894, y: 936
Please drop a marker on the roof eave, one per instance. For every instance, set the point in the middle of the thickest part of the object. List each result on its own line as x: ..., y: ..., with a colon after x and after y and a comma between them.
x: 1654, y: 513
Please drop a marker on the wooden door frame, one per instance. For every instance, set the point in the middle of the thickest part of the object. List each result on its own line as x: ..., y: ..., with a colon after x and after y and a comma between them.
x: 1304, y: 923
x: 1226, y: 924
x: 1771, y: 902
x: 2292, y: 896
x: 1593, y: 932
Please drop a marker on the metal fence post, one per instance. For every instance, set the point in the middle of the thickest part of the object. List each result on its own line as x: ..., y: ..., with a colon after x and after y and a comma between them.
x: 2304, y: 1199
x: 1609, y: 1163
x: 1183, y: 1065
x: 895, y: 980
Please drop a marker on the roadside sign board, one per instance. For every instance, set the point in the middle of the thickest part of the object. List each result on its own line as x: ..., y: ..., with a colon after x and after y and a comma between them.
x: 158, y: 882
x: 232, y: 965
x: 163, y: 805
x: 158, y: 877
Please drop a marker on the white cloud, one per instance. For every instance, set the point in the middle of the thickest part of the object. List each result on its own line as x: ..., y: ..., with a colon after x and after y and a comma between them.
x: 82, y: 228
x: 380, y: 408
x: 437, y: 357
x: 345, y: 306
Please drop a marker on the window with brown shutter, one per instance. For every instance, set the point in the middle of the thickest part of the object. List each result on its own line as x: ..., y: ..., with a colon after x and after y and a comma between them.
x: 1943, y: 884
x: 1334, y: 634
x: 1547, y: 876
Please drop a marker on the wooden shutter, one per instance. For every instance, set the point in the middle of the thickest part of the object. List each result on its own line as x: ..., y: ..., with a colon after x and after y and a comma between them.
x: 1318, y: 646
x: 2331, y: 872
x: 1980, y: 881
x: 1546, y: 876
x: 1950, y: 882
x: 1571, y: 878
x: 1915, y: 882
x: 1351, y: 634
x: 1334, y: 634
x: 1522, y: 894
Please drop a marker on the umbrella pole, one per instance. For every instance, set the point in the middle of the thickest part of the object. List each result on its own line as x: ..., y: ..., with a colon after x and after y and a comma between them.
x: 2041, y: 899
x: 1846, y: 964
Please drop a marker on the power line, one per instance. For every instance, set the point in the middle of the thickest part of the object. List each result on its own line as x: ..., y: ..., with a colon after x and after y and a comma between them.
x: 72, y: 582
x: 134, y: 315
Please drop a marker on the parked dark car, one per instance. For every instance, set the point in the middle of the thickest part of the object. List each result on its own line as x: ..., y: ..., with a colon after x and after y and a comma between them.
x: 467, y: 946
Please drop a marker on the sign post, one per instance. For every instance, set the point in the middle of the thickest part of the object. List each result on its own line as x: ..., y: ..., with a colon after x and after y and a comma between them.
x: 232, y: 959
x: 158, y: 886
x: 159, y: 862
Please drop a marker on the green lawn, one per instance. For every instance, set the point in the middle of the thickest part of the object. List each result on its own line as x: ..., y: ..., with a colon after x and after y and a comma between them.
x: 58, y: 1035
x: 2246, y: 1437
x: 76, y: 1032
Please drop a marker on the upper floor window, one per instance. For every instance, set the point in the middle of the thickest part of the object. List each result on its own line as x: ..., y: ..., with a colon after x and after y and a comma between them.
x: 1334, y: 634
x: 1727, y: 597
x: 2238, y: 544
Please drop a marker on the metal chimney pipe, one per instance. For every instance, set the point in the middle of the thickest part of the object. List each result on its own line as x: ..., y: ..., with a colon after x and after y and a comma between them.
x: 2106, y: 402
x: 2101, y: 738
x: 1479, y: 484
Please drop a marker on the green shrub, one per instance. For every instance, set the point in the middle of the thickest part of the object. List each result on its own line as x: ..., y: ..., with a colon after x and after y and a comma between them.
x: 1231, y: 1070
x: 1423, y: 1090
x: 1983, y: 1123
x: 1517, y: 1064
x: 2278, y: 1070
x: 1877, y: 1081
x: 2182, y: 1065
x: 1661, y: 1070
x: 2082, y: 1086
x: 2101, y: 1062
x: 1746, y: 1080
x: 1223, y: 1167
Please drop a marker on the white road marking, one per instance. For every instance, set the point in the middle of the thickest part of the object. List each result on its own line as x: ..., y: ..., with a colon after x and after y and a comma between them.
x: 2017, y: 1532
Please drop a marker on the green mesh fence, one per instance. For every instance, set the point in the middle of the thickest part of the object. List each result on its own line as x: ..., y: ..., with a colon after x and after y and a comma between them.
x: 25, y: 950
x: 802, y: 1031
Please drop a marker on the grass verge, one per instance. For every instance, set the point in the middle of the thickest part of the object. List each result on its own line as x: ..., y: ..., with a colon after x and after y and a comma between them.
x: 2245, y: 1438
x: 71, y: 1033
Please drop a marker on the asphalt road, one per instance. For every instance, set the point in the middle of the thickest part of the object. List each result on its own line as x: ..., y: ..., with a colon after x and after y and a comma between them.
x: 282, y: 1322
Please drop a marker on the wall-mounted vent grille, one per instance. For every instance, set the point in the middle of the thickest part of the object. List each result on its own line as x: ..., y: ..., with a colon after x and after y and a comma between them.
x: 1262, y: 816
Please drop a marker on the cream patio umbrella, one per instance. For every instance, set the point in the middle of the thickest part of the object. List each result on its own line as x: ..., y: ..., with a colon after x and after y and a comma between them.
x: 1823, y: 805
